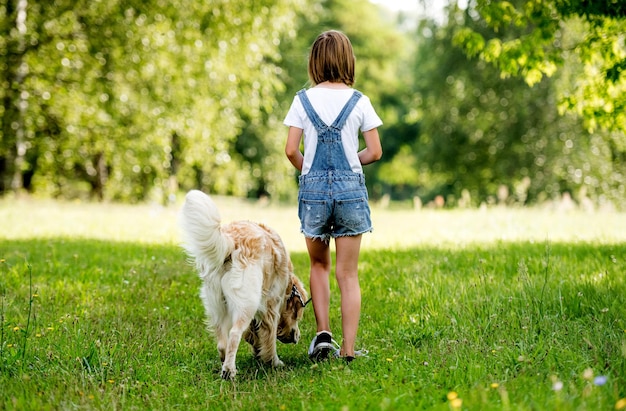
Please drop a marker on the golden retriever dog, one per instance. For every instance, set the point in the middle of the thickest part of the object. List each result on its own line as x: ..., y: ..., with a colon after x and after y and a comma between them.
x: 248, y: 287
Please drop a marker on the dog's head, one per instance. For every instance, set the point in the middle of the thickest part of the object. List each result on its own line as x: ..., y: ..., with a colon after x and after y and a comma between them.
x: 295, y: 300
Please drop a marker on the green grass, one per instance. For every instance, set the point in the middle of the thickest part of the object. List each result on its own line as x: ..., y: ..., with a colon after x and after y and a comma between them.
x: 103, y: 323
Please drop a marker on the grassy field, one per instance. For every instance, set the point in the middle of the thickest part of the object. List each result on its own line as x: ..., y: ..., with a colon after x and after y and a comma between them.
x: 478, y: 310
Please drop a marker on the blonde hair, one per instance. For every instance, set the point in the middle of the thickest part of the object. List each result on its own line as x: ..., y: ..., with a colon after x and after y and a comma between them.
x: 332, y: 59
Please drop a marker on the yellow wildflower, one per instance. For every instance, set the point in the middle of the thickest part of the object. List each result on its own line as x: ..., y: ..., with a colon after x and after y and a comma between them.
x: 456, y: 403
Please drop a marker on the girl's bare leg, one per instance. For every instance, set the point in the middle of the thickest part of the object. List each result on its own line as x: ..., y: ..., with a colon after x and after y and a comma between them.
x: 348, y: 249
x: 319, y: 254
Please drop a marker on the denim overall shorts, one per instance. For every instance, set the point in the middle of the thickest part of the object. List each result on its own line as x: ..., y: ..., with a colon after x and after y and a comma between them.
x: 332, y: 199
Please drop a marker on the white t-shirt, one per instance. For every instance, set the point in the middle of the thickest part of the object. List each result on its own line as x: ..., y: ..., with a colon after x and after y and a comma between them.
x: 328, y: 103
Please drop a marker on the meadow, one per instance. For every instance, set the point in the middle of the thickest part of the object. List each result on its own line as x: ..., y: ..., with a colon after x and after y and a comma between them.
x: 498, y: 309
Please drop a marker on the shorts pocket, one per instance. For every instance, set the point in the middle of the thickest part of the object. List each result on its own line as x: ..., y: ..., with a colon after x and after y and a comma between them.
x: 353, y: 214
x: 313, y: 214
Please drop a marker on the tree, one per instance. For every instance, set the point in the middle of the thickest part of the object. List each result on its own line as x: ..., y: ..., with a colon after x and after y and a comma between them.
x: 550, y: 33
x: 490, y: 137
x: 125, y: 99
x: 14, y: 98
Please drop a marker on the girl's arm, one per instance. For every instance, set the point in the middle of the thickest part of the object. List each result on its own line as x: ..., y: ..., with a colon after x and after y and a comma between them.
x: 373, y: 151
x: 292, y: 148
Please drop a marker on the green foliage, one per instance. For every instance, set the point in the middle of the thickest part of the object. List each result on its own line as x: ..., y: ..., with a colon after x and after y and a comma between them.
x: 130, y: 97
x: 545, y: 42
x: 500, y: 137
x: 132, y: 101
x: 606, y: 8
x: 506, y: 325
x: 401, y: 170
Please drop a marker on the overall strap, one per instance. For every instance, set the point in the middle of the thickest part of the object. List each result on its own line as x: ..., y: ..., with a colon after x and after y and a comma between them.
x: 347, y: 109
x: 341, y: 118
x: 310, y: 111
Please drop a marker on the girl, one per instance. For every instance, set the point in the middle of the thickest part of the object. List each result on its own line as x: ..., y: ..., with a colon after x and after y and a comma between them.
x: 332, y: 199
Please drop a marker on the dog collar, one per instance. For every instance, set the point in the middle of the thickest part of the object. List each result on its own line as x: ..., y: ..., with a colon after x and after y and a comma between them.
x: 295, y: 293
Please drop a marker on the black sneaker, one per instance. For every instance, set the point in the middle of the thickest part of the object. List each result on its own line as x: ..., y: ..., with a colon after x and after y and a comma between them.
x: 321, y: 346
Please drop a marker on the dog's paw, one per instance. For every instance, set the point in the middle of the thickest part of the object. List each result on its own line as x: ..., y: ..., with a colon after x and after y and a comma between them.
x: 276, y: 363
x: 228, y: 374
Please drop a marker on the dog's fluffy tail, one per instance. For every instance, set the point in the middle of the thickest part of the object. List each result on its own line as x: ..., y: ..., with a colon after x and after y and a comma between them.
x: 201, y: 231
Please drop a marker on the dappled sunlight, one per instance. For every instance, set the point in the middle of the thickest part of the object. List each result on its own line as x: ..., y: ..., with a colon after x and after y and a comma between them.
x: 116, y: 222
x: 393, y: 229
x: 403, y: 229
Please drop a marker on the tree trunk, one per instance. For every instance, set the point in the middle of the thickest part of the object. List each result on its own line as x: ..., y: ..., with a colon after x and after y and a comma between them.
x: 15, y: 104
x: 102, y: 175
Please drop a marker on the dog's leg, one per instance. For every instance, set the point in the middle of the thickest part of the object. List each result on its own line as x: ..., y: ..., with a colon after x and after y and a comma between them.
x: 252, y: 338
x: 267, y: 336
x: 240, y: 324
x: 242, y: 302
x: 217, y: 316
x: 222, y: 339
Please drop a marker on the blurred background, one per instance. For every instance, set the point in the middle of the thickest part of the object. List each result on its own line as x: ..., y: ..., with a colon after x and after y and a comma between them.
x: 509, y: 102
